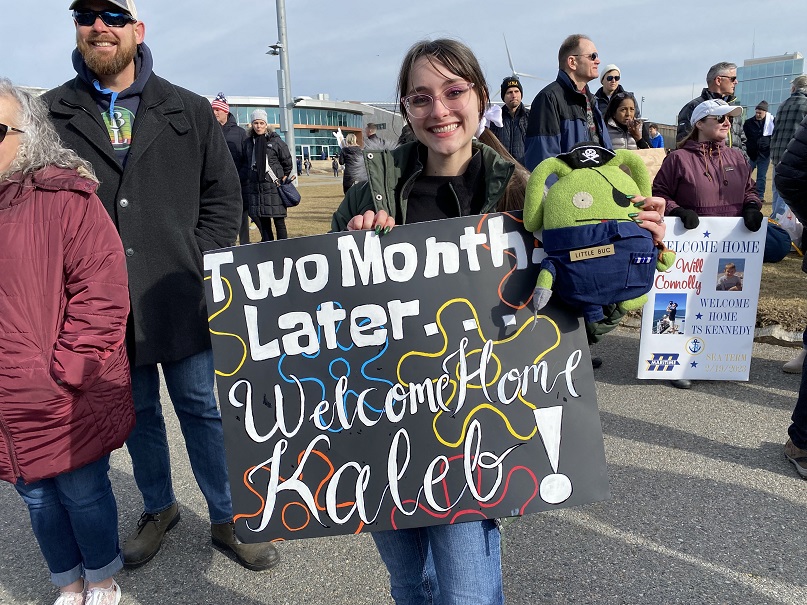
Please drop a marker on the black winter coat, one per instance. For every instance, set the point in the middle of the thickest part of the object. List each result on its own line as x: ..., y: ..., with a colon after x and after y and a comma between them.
x: 235, y: 137
x: 177, y: 198
x: 262, y: 198
x: 791, y: 176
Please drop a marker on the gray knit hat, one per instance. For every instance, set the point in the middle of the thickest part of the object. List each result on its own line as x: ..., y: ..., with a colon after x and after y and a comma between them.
x: 259, y: 114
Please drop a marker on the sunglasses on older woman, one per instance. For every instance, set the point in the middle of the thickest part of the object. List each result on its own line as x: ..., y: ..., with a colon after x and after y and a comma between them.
x: 4, y: 130
x: 719, y: 119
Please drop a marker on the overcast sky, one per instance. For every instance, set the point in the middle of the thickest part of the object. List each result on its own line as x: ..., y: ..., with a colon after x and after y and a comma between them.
x: 351, y: 49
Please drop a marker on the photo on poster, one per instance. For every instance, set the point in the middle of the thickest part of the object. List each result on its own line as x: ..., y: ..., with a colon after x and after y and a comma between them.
x: 669, y: 313
x: 730, y: 274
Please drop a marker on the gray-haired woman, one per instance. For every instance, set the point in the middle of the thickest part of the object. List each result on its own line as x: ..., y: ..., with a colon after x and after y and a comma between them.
x: 65, y: 393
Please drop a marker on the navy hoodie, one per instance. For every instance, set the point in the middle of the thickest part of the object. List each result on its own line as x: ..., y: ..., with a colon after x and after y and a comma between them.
x: 118, y: 109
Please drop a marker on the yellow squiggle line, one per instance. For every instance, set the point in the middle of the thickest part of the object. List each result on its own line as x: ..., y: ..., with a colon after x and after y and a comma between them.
x: 236, y: 336
x: 467, y: 420
x: 510, y: 429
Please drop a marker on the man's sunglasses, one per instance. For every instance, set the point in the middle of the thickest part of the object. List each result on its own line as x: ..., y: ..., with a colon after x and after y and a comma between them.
x: 4, y: 130
x: 591, y: 57
x: 86, y: 18
x: 732, y: 78
x: 612, y: 78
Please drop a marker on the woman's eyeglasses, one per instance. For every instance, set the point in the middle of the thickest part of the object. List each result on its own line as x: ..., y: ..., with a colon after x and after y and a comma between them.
x: 720, y: 119
x: 591, y: 57
x: 612, y: 78
x: 4, y: 130
x: 86, y: 18
x: 454, y: 98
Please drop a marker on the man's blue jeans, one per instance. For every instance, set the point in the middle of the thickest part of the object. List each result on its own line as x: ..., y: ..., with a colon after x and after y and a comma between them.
x: 190, y: 386
x: 778, y: 202
x: 798, y: 430
x: 761, y: 164
x: 444, y: 564
x: 75, y: 521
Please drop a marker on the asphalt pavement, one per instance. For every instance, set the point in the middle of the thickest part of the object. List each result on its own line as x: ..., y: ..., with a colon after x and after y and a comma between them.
x: 704, y: 509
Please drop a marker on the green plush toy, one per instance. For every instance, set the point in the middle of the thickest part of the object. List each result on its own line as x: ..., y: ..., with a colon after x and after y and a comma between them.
x: 596, y: 253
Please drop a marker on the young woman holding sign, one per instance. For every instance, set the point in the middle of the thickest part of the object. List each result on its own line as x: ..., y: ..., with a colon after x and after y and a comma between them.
x: 445, y: 173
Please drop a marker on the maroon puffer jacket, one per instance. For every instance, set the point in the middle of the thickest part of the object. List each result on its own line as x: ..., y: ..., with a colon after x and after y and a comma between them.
x: 65, y: 387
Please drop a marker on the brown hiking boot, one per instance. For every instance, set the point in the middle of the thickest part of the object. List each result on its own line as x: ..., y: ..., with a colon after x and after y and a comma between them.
x: 798, y: 457
x: 256, y: 557
x: 145, y: 542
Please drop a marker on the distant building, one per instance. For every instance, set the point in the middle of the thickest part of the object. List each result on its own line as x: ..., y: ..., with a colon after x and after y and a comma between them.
x: 768, y: 79
x: 316, y: 120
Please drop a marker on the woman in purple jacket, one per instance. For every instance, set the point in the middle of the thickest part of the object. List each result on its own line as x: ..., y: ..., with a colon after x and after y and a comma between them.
x: 705, y: 177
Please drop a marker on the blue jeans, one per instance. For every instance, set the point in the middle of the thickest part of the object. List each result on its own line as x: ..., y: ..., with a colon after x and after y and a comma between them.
x: 778, y: 202
x: 190, y: 386
x: 75, y: 521
x: 444, y: 564
x: 798, y: 430
x: 761, y: 164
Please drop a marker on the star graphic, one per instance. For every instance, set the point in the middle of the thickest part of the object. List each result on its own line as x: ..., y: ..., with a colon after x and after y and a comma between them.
x: 706, y: 234
x: 699, y: 316
x: 694, y: 364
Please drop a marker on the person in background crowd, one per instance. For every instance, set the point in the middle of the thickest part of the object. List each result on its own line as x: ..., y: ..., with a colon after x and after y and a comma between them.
x: 565, y: 112
x: 758, y: 131
x: 623, y: 127
x: 266, y: 153
x: 791, y: 181
x: 514, y: 119
x: 351, y: 157
x: 609, y: 79
x: 788, y: 118
x: 65, y: 387
x: 235, y: 137
x: 307, y: 166
x: 705, y: 177
x: 371, y: 138
x: 170, y: 187
x: 721, y: 80
x: 656, y: 140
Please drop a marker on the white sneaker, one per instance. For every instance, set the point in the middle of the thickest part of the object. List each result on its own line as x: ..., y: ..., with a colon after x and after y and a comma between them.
x: 70, y: 598
x: 794, y: 365
x: 103, y: 596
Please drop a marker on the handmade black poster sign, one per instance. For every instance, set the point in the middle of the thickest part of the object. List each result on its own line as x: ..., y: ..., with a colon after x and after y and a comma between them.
x: 370, y: 382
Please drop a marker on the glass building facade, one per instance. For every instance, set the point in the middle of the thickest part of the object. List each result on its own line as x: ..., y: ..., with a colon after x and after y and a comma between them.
x: 314, y: 127
x: 768, y: 79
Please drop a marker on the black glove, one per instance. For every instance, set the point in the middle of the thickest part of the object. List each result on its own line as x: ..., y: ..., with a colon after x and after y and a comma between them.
x: 752, y: 217
x: 687, y: 216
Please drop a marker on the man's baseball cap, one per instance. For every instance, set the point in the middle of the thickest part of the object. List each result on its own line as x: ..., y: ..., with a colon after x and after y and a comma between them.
x: 125, y: 5
x: 714, y: 107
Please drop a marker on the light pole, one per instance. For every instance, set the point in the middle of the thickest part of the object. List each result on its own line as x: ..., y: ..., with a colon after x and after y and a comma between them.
x: 286, y: 100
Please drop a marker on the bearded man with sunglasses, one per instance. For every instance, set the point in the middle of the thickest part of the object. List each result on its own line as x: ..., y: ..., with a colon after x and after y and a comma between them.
x: 172, y: 190
x: 721, y: 80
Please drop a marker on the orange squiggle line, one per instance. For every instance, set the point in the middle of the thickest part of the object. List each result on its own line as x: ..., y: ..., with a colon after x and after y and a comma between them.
x: 509, y: 273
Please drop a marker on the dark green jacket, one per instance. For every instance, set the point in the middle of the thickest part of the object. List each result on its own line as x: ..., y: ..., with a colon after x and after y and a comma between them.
x: 391, y: 174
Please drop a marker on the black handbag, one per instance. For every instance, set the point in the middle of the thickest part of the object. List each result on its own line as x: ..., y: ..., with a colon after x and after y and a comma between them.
x: 289, y: 194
